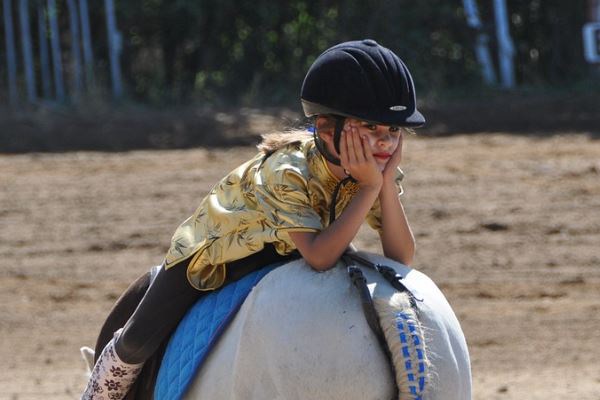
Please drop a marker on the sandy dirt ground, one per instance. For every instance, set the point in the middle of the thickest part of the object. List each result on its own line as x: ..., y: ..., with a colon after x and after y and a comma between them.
x: 508, y: 226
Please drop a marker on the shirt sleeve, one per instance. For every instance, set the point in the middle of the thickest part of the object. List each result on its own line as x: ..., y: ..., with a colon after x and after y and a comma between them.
x: 283, y: 196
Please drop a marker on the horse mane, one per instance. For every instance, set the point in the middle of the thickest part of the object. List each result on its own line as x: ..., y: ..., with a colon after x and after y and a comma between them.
x: 405, y: 338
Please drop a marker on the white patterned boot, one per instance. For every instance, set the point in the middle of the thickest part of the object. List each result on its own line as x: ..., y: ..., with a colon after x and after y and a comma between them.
x: 111, y: 378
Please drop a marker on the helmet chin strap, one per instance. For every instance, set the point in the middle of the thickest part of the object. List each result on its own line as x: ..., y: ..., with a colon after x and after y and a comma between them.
x: 337, y: 133
x: 337, y: 136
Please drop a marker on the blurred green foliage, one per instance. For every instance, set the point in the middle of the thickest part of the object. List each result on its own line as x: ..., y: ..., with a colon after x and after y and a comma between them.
x: 256, y: 52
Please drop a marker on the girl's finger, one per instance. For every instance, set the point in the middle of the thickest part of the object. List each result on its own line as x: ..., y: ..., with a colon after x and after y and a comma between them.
x: 368, y: 155
x: 344, y: 149
x: 362, y: 149
x: 358, y: 146
x: 352, y: 146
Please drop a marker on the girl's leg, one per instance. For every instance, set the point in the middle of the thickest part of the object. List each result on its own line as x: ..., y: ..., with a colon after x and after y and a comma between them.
x: 161, y: 308
x: 111, y: 377
x: 167, y: 300
x: 122, y: 311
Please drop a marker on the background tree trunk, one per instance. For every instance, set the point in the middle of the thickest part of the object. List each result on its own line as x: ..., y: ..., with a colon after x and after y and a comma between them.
x: 27, y: 51
x: 11, y: 54
x: 482, y: 51
x: 114, y: 48
x: 59, y: 85
x: 594, y: 16
x: 76, y: 76
x: 88, y: 55
x: 44, y: 56
x: 506, y: 49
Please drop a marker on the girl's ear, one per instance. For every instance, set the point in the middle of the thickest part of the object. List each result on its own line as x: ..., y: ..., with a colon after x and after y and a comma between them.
x: 325, y: 129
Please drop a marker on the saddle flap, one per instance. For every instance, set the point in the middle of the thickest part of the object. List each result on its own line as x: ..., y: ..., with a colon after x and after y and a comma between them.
x: 197, y: 334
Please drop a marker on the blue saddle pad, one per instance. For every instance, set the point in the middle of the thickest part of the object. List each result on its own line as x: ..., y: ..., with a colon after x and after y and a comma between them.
x: 197, y: 334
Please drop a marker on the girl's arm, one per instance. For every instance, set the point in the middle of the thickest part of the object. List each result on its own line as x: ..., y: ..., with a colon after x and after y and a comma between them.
x: 322, y: 250
x: 397, y: 238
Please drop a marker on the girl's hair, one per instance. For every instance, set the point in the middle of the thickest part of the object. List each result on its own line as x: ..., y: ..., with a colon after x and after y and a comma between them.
x: 271, y: 142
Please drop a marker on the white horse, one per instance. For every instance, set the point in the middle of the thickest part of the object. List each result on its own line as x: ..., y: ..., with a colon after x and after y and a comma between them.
x: 303, y: 335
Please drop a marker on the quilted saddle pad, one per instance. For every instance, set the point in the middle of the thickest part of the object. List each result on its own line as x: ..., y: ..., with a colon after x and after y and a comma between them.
x: 198, y: 332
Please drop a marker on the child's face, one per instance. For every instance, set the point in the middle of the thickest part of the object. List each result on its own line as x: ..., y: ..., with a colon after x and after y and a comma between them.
x: 383, y: 140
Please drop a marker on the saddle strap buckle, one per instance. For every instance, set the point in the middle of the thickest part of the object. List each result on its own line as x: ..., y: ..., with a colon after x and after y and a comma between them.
x: 390, y: 275
x: 356, y: 276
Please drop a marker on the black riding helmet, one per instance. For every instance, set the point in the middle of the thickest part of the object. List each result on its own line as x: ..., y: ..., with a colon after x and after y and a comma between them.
x: 362, y: 80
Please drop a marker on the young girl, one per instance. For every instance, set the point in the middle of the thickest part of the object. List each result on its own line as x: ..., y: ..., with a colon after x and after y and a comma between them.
x: 303, y: 193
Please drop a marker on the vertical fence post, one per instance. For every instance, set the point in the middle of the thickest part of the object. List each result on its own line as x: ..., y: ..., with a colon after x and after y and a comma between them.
x: 482, y: 51
x: 76, y: 75
x: 594, y: 17
x: 27, y: 51
x: 506, y: 49
x: 114, y: 48
x: 11, y: 56
x: 44, y: 56
x: 59, y: 85
x: 88, y: 57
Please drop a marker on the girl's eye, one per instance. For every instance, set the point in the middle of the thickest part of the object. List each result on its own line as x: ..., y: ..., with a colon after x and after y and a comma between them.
x: 394, y: 130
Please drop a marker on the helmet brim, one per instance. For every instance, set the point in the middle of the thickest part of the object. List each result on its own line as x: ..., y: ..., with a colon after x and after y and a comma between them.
x: 403, y: 118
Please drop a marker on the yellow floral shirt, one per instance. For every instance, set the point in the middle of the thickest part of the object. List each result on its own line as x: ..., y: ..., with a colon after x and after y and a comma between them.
x: 257, y: 203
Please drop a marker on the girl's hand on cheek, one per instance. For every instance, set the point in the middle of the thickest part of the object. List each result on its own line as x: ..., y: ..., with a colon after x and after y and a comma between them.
x: 357, y: 160
x: 389, y: 172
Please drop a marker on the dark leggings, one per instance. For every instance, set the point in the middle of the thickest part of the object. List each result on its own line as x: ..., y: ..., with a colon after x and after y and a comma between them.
x: 167, y: 300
